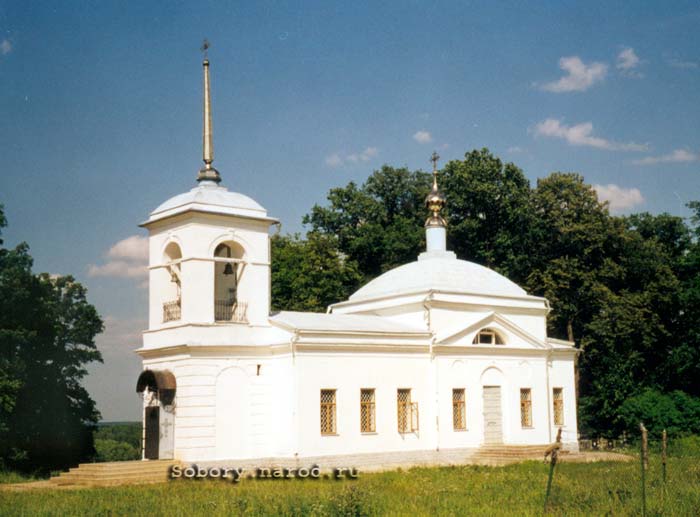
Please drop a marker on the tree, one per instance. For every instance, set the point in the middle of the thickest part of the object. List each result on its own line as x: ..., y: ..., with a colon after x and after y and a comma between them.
x: 488, y: 212
x: 47, y: 331
x: 380, y: 225
x: 308, y: 275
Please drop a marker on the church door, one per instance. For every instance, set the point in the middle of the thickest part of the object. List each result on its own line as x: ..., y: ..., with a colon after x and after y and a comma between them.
x: 152, y: 433
x: 493, y: 432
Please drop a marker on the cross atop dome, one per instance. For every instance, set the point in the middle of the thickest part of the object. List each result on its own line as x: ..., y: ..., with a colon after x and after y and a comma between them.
x: 435, y: 201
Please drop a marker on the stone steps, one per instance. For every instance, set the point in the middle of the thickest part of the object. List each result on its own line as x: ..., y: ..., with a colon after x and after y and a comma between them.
x: 115, y: 473
x: 497, y: 455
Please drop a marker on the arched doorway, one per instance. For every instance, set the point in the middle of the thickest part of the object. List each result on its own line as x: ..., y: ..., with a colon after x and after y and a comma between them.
x: 232, y: 414
x: 492, y: 382
x: 158, y: 388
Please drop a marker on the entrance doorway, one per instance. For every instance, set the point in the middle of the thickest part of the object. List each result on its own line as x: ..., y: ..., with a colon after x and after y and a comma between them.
x: 152, y: 439
x: 493, y: 428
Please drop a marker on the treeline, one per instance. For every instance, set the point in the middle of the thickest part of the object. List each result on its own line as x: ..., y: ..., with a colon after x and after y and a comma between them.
x: 47, y: 337
x: 625, y: 289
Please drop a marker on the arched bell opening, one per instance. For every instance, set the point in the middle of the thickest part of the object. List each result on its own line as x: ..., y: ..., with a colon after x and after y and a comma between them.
x: 172, y: 287
x: 228, y: 270
x: 158, y: 388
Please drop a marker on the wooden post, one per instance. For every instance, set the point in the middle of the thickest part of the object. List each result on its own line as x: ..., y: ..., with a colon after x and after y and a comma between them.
x: 663, y: 454
x: 552, y: 450
x: 644, y: 460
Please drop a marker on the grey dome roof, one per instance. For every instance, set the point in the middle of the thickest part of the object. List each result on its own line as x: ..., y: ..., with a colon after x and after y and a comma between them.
x: 209, y: 197
x: 439, y: 272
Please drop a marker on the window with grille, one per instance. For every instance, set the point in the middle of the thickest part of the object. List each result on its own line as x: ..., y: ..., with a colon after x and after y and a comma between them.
x: 407, y: 412
x: 526, y: 407
x: 488, y: 337
x: 367, y: 411
x: 459, y: 416
x: 558, y: 402
x: 328, y: 423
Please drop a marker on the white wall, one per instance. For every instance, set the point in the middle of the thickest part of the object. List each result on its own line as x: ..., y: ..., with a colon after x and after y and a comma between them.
x: 348, y: 374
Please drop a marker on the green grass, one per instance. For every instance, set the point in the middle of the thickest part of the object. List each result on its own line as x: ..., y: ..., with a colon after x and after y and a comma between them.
x: 604, y: 488
x: 14, y: 477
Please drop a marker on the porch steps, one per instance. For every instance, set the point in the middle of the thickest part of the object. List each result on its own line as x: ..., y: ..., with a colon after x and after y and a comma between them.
x: 115, y: 473
x: 496, y: 455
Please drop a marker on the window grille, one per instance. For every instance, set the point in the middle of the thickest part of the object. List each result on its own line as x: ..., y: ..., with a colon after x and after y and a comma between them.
x: 328, y: 420
x: 526, y: 407
x: 488, y: 337
x: 459, y: 416
x: 558, y: 402
x: 172, y: 311
x: 367, y: 411
x: 407, y: 414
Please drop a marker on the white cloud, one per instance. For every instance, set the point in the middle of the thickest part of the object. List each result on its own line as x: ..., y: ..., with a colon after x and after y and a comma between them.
x: 423, y: 137
x: 515, y: 149
x: 119, y: 269
x: 677, y: 63
x: 580, y: 76
x: 619, y: 198
x: 5, y: 47
x: 133, y: 248
x: 364, y: 156
x: 677, y: 156
x: 127, y: 258
x: 581, y: 134
x: 336, y: 160
x: 627, y: 59
x: 628, y: 62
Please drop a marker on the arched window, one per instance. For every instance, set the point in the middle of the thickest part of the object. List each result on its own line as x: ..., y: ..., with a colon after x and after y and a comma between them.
x: 228, y: 267
x: 488, y: 337
x: 172, y: 293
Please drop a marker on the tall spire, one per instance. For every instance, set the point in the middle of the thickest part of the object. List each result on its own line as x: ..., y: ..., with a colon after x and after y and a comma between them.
x: 207, y: 173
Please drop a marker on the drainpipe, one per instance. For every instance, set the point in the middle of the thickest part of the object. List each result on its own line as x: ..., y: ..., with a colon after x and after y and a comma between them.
x: 549, y: 395
x: 427, y: 308
x: 295, y: 392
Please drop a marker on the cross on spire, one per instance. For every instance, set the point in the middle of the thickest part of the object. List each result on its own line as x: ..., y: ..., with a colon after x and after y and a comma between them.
x: 205, y: 47
x: 434, y: 158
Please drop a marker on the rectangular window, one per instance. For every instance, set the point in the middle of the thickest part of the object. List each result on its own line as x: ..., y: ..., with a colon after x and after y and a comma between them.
x: 367, y: 411
x: 459, y: 416
x: 558, y: 403
x: 328, y: 424
x: 526, y: 407
x: 407, y: 414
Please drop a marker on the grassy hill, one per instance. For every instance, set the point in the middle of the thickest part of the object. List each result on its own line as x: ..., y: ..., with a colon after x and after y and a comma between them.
x: 579, y: 489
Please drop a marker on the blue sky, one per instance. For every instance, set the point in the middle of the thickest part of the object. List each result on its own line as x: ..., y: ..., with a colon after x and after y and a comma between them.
x: 100, y: 115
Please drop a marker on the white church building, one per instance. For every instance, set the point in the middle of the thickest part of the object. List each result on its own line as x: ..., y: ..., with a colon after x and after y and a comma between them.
x: 432, y: 359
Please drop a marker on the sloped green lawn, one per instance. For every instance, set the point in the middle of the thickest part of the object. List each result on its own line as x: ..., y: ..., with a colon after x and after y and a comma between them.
x: 604, y: 488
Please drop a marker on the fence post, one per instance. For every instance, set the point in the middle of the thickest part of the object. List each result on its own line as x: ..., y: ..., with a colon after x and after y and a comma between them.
x: 663, y: 453
x: 644, y: 460
x: 552, y: 450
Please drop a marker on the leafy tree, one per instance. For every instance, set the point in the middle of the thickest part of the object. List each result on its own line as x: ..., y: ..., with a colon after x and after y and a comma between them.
x: 677, y: 412
x: 488, y: 212
x: 308, y: 275
x: 380, y: 225
x: 47, y: 331
x: 113, y: 450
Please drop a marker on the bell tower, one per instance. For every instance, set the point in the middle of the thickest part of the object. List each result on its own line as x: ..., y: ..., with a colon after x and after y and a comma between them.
x: 209, y: 250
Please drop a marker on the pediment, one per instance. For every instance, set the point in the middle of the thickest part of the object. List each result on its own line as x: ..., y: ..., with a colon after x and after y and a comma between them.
x: 514, y: 336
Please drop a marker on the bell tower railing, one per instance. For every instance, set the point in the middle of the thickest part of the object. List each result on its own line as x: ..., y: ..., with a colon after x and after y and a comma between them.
x: 230, y: 311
